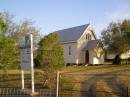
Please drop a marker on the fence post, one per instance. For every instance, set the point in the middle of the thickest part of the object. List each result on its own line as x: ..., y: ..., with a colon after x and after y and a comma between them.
x: 22, y: 72
x: 57, y: 87
x: 128, y: 95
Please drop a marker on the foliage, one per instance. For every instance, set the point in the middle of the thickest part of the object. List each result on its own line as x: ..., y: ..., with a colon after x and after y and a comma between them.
x: 50, y: 55
x: 116, y: 38
x: 10, y: 38
x: 25, y: 27
x: 3, y: 27
x: 7, y: 48
x: 8, y: 54
x: 50, y: 52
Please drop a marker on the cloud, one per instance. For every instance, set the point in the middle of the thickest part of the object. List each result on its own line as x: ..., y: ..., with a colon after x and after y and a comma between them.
x: 118, y: 14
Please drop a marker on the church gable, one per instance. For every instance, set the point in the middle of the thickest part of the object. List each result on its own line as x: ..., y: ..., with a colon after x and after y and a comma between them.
x: 88, y: 35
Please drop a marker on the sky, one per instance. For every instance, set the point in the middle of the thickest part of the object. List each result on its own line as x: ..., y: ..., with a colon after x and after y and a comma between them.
x: 53, y: 15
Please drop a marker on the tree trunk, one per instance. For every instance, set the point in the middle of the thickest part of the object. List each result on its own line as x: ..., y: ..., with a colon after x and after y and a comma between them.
x: 117, y: 60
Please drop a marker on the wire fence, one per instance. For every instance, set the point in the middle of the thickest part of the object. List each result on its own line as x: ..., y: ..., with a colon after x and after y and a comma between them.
x: 16, y: 92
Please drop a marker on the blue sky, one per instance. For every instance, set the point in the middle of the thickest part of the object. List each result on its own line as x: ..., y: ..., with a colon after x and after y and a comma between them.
x: 52, y: 15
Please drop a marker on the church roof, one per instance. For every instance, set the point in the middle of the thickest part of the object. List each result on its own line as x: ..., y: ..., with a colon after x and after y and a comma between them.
x: 71, y: 34
x: 92, y: 44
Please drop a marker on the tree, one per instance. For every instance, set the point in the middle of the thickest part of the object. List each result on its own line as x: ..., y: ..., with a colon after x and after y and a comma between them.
x: 8, y: 18
x: 16, y: 30
x: 7, y: 47
x: 116, y: 39
x: 3, y: 27
x: 8, y: 53
x: 26, y: 27
x: 50, y: 55
x: 11, y: 35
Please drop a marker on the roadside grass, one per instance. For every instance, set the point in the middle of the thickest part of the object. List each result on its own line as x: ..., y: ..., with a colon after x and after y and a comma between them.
x: 13, y: 79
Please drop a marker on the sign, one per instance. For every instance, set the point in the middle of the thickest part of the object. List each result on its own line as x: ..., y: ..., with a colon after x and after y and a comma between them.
x: 26, y: 51
x: 26, y: 58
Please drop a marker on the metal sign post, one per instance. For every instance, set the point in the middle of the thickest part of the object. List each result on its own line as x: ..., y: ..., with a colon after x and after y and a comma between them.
x: 32, y: 65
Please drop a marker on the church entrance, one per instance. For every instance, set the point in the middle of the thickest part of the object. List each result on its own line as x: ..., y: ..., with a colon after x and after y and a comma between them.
x: 87, y: 57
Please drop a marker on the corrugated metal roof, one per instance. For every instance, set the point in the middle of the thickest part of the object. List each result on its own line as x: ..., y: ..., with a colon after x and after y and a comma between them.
x: 71, y: 34
x: 91, y: 44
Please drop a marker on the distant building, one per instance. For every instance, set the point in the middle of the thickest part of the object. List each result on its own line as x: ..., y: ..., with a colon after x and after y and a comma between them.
x: 81, y: 45
x: 125, y: 55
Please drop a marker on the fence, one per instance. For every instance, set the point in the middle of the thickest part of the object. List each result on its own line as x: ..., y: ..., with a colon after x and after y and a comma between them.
x: 15, y: 92
x: 128, y: 90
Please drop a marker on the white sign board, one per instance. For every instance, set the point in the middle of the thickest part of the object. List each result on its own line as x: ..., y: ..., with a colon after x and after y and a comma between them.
x: 26, y: 52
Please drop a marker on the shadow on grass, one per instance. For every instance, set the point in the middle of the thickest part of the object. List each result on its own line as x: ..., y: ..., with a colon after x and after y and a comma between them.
x: 110, y: 78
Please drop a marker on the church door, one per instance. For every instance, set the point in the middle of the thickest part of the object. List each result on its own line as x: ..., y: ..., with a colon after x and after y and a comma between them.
x: 87, y: 57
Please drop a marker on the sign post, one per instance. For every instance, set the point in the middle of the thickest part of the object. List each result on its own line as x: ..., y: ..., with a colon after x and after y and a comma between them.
x: 22, y: 72
x: 32, y: 64
x: 26, y: 52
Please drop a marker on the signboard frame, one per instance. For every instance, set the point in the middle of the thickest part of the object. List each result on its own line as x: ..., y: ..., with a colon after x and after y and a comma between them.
x: 26, y: 53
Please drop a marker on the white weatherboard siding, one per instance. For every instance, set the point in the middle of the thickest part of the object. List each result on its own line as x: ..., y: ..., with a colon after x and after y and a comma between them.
x: 94, y: 59
x: 72, y: 58
x: 78, y: 39
x: 122, y: 56
x: 125, y: 55
x: 91, y: 54
x: 82, y: 42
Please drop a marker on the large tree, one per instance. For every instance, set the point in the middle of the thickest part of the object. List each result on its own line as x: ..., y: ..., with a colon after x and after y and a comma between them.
x: 10, y: 38
x: 116, y: 38
x: 24, y: 27
x: 7, y: 47
x: 50, y: 55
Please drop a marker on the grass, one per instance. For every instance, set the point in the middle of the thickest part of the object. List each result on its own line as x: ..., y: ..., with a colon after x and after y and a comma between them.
x: 115, y: 78
x: 13, y: 79
x: 80, y: 79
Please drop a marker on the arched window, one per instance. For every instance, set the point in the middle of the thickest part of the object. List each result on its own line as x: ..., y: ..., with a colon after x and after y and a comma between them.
x: 88, y: 36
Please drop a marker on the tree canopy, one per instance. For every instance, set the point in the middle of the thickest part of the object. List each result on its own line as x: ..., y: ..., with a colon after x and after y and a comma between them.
x: 116, y: 38
x: 50, y: 56
x: 7, y: 47
x: 3, y: 26
x: 10, y: 32
x: 50, y: 52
